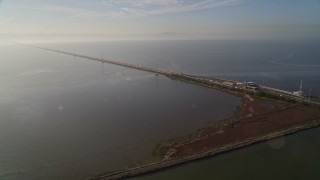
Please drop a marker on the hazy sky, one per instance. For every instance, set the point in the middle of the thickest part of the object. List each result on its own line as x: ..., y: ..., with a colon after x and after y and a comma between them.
x: 206, y: 17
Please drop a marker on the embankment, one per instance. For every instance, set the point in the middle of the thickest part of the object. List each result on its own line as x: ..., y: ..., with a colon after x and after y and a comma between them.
x: 127, y: 173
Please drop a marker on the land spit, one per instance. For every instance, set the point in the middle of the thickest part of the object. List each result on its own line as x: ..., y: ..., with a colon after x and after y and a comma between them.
x: 257, y: 120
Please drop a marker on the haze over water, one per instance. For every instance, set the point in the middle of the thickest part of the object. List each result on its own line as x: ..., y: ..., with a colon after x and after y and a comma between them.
x: 63, y: 117
x: 68, y: 118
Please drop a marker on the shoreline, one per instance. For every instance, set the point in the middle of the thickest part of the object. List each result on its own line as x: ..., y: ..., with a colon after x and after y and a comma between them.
x: 153, y: 167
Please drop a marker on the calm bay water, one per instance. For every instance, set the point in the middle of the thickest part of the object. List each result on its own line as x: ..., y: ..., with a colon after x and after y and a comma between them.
x: 67, y: 118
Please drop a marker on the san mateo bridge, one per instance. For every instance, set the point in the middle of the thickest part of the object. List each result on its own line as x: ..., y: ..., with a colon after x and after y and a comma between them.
x: 302, y: 112
x: 210, y: 82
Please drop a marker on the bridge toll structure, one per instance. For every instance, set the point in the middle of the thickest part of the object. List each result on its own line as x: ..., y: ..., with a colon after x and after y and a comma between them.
x: 300, y: 92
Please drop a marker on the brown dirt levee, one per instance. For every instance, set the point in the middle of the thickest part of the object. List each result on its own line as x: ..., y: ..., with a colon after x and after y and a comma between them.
x: 256, y: 118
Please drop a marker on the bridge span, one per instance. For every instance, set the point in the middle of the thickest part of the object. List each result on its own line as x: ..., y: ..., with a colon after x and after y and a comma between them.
x: 102, y: 60
x: 222, y: 84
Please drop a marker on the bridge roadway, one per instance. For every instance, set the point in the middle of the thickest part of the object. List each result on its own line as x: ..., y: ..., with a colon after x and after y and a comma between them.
x: 200, y: 80
x: 133, y: 66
